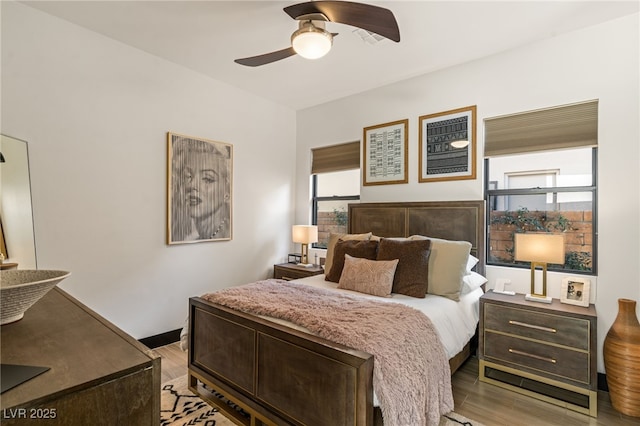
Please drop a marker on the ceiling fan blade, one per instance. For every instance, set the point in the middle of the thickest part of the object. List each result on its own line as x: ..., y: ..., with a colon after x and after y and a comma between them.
x: 368, y: 17
x: 267, y: 58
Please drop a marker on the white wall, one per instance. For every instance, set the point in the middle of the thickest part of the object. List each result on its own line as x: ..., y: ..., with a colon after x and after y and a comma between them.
x: 95, y: 113
x: 600, y: 62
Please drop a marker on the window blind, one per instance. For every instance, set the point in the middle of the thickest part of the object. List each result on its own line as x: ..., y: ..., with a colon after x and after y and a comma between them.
x: 335, y: 158
x: 567, y: 126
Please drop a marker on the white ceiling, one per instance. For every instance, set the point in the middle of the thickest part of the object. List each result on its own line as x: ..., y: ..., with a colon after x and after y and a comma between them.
x: 206, y: 36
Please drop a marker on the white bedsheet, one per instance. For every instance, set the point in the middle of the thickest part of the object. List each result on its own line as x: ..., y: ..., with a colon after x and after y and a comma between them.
x: 454, y: 321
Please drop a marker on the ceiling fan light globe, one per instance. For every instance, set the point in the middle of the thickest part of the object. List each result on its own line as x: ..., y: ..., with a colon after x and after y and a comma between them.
x: 311, y: 42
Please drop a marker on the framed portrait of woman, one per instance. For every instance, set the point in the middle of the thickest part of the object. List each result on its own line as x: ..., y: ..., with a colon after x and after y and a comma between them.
x: 199, y: 189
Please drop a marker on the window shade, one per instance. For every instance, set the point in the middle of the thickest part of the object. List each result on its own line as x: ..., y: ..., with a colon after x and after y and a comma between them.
x: 568, y: 126
x: 335, y: 158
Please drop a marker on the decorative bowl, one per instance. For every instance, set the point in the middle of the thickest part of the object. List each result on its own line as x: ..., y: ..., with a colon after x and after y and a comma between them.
x: 21, y: 288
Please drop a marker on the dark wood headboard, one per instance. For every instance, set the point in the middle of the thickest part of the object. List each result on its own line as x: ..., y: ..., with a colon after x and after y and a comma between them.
x: 449, y: 220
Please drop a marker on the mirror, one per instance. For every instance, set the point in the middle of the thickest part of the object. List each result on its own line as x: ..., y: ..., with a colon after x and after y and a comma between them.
x: 17, y: 239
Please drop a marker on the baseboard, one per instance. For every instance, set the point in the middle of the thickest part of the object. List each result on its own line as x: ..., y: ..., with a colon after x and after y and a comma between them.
x: 161, y: 339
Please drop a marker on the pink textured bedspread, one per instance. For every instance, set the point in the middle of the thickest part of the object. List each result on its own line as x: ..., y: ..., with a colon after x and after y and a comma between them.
x: 411, y: 374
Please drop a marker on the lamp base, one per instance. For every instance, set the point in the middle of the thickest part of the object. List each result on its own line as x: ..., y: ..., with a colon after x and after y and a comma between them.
x: 537, y: 298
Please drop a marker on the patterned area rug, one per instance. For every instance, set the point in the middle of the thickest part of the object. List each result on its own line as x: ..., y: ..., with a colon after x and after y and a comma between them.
x: 180, y: 407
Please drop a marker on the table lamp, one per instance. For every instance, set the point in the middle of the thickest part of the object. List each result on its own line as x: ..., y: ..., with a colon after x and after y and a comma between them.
x: 539, y: 249
x: 305, y: 235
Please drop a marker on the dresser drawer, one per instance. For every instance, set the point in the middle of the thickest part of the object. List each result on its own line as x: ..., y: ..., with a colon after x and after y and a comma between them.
x: 561, y: 330
x: 560, y: 362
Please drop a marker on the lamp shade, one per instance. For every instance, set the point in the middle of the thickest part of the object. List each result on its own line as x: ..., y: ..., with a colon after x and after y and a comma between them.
x: 311, y: 42
x: 305, y: 234
x: 543, y: 248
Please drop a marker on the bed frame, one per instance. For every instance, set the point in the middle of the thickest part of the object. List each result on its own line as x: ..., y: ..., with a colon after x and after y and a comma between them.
x: 280, y: 376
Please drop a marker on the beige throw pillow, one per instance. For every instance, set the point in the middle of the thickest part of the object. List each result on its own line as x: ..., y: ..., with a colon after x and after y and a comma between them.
x: 447, y: 266
x: 368, y: 276
x: 331, y: 246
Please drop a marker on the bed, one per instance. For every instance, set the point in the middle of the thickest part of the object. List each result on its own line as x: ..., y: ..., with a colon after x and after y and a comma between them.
x: 240, y: 355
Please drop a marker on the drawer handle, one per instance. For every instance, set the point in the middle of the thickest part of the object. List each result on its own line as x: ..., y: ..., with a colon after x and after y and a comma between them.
x: 541, y: 358
x: 287, y: 278
x: 537, y: 327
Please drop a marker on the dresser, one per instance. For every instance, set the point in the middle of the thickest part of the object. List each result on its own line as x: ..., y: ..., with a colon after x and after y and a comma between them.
x: 546, y: 351
x: 291, y: 271
x: 98, y: 375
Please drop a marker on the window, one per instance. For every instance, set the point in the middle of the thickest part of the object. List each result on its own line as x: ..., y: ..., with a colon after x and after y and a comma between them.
x: 335, y: 183
x: 332, y: 193
x: 543, y: 184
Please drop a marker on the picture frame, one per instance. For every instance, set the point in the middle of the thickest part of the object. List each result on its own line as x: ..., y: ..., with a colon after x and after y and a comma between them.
x: 575, y: 291
x: 199, y: 189
x: 3, y: 243
x: 439, y: 157
x: 385, y: 153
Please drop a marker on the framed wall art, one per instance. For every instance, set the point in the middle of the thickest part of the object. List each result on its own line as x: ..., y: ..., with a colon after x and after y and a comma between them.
x: 199, y: 189
x: 385, y: 152
x: 575, y: 291
x: 3, y: 244
x: 448, y: 145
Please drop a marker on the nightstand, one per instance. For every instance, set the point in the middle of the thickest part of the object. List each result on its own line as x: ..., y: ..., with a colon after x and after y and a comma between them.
x: 291, y: 271
x: 546, y: 351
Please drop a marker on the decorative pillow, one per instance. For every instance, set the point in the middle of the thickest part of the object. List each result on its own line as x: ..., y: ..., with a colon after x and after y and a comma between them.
x: 471, y: 262
x: 411, y: 277
x: 355, y: 248
x: 333, y: 239
x: 472, y: 281
x: 368, y: 276
x: 447, y: 266
x: 377, y: 238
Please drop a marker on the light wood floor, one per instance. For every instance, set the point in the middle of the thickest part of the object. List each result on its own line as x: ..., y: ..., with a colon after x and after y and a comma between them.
x: 483, y: 402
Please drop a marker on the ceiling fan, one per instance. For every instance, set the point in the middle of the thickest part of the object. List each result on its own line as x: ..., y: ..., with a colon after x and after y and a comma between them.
x: 312, y: 41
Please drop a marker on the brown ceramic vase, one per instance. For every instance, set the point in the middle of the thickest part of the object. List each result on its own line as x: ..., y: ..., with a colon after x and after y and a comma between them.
x: 622, y: 359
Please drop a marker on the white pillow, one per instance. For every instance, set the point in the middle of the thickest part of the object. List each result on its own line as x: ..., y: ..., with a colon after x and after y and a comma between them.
x: 471, y: 262
x: 472, y: 281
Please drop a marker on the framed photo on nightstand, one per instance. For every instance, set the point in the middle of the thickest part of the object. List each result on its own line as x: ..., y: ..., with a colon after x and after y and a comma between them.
x: 575, y: 291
